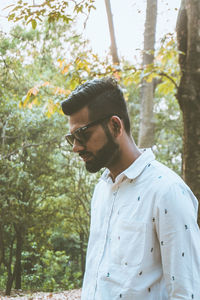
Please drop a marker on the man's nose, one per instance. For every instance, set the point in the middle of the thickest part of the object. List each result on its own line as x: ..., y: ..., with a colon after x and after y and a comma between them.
x: 77, y: 146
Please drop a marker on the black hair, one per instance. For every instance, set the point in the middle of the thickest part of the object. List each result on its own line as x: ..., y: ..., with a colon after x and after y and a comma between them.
x: 103, y: 97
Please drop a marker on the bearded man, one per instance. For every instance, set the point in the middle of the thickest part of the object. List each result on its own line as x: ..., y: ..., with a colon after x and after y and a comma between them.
x: 144, y: 239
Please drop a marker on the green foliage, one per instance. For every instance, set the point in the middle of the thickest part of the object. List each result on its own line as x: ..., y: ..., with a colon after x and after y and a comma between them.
x: 53, y: 11
x: 39, y: 198
x: 37, y: 183
x: 2, y: 278
x: 53, y: 273
x: 169, y: 131
x: 168, y: 125
x: 164, y: 69
x: 165, y: 74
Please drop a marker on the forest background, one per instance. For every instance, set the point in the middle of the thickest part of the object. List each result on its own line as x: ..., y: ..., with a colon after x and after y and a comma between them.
x: 45, y: 190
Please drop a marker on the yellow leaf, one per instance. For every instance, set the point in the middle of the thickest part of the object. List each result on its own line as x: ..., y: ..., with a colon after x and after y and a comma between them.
x: 126, y: 96
x: 46, y: 83
x: 33, y: 91
x: 48, y: 114
x: 150, y: 77
x: 61, y: 91
x: 30, y: 105
x: 35, y: 101
x: 165, y: 87
x: 116, y: 75
x: 65, y: 70
x: 60, y: 61
x: 26, y: 99
x: 50, y: 106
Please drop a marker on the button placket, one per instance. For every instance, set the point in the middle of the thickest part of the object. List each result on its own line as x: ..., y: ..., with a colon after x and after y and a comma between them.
x: 115, y: 193
x: 106, y: 234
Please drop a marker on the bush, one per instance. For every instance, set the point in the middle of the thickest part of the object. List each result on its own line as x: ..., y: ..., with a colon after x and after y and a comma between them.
x: 54, y: 273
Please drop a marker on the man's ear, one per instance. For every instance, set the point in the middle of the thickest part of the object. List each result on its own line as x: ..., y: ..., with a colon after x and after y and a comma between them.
x: 116, y: 126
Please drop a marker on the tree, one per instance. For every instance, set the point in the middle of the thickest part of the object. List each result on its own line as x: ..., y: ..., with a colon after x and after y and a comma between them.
x: 113, y: 46
x: 23, y: 186
x: 146, y: 130
x: 37, y: 185
x: 53, y: 10
x: 188, y: 95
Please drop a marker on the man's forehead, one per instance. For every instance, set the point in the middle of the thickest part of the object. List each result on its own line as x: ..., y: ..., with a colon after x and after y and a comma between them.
x: 79, y: 119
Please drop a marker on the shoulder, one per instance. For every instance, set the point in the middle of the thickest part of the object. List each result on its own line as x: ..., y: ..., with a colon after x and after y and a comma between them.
x: 173, y: 191
x: 170, y: 189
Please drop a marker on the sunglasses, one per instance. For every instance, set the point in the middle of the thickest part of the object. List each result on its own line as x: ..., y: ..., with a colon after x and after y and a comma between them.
x: 80, y: 133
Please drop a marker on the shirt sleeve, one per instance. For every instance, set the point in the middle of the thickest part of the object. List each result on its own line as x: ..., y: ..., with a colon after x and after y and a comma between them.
x: 179, y: 238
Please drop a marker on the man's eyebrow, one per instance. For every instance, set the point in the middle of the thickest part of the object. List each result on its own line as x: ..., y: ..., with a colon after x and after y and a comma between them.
x: 72, y: 132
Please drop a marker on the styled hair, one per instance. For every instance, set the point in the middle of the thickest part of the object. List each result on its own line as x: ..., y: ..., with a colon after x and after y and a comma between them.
x: 103, y: 97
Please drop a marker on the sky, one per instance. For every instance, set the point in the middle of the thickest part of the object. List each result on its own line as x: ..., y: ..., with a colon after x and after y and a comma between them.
x: 128, y: 17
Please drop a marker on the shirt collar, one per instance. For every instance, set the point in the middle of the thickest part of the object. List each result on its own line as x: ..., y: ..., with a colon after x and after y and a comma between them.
x: 135, y: 169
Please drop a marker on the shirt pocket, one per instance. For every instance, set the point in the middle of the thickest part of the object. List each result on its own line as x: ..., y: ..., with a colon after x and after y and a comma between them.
x: 129, y: 245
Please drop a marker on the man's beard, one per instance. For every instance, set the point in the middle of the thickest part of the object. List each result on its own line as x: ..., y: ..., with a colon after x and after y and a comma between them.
x: 105, y: 157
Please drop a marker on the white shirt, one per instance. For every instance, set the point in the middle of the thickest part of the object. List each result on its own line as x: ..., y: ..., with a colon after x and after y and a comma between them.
x: 144, y: 239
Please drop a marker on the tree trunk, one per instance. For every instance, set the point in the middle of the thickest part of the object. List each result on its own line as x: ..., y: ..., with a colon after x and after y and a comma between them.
x: 146, y: 130
x: 188, y: 35
x: 9, y: 282
x: 2, y: 247
x: 10, y: 276
x: 18, y: 271
x: 81, y: 236
x: 112, y: 33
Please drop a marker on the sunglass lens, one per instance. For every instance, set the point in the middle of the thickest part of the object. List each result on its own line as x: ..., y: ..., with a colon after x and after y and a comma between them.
x: 70, y: 139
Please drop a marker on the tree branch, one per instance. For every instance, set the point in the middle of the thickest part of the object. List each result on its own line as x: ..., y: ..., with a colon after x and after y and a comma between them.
x: 168, y: 77
x: 54, y: 140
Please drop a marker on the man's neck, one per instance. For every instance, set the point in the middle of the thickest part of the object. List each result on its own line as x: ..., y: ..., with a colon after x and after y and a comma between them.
x: 129, y: 152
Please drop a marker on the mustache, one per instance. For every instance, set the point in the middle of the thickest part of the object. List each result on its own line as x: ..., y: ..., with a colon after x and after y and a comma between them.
x: 83, y: 153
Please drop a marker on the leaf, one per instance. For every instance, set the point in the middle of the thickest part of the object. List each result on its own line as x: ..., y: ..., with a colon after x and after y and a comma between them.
x: 51, y: 108
x: 60, y: 91
x: 60, y: 61
x: 65, y: 70
x: 26, y: 99
x: 117, y: 75
x: 165, y: 87
x: 34, y: 23
x: 150, y: 77
x: 46, y: 83
x: 33, y: 91
x: 36, y: 101
x: 11, y: 16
